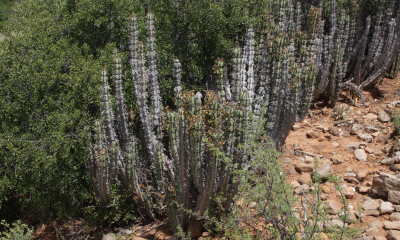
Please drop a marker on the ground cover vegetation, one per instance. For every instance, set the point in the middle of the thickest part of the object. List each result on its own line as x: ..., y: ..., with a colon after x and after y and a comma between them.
x: 84, y: 86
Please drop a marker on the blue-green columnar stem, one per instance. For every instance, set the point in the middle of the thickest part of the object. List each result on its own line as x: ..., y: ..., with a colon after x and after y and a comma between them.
x: 250, y: 62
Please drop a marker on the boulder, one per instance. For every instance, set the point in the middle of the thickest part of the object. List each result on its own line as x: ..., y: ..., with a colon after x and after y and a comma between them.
x: 383, y: 116
x: 360, y: 155
x: 384, y: 183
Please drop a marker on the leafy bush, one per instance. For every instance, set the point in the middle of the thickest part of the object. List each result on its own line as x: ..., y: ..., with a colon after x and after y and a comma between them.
x: 19, y: 231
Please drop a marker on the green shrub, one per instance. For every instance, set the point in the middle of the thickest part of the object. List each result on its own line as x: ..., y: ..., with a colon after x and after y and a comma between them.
x: 18, y: 231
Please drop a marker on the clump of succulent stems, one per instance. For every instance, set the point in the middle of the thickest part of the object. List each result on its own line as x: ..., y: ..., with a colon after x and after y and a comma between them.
x: 272, y: 79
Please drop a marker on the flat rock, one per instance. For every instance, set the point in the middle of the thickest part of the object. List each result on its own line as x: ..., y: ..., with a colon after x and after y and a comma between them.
x: 304, y: 167
x: 312, y: 134
x: 326, y: 189
x: 372, y: 231
x: 360, y: 155
x: 394, y: 197
x: 365, y: 238
x: 371, y: 204
x: 395, y: 167
x: 392, y: 225
x: 377, y: 224
x: 363, y: 189
x: 304, y: 178
x: 295, y: 127
x: 369, y: 150
x: 351, y: 146
x: 374, y: 213
x: 386, y: 208
x: 109, y: 236
x: 334, y: 130
x: 383, y: 183
x: 287, y: 160
x: 371, y: 116
x: 393, y: 235
x: 394, y: 217
x: 334, y: 223
x: 387, y: 161
x: 383, y: 116
x: 295, y: 184
x: 335, y: 144
x: 332, y: 208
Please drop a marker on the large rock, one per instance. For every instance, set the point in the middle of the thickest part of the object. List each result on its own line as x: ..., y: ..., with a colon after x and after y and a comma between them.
x: 393, y: 235
x: 360, y: 155
x: 383, y: 116
x: 304, y: 167
x: 384, y: 183
x: 394, y: 197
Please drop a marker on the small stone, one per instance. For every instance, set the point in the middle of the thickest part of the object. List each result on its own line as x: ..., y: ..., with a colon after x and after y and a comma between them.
x: 312, y: 134
x: 360, y: 155
x: 366, y: 137
x: 304, y: 178
x: 195, y: 228
x: 372, y: 231
x: 326, y: 189
x: 392, y: 225
x: 387, y: 161
x: 395, y: 167
x: 375, y: 134
x: 394, y: 217
x: 383, y: 116
x: 397, y: 208
x: 357, y: 129
x: 334, y: 223
x: 362, y: 174
x: 377, y: 224
x: 295, y: 127
x: 328, y: 136
x: 291, y: 170
x: 332, y: 208
x: 349, y: 174
x: 371, y: 204
x: 365, y: 238
x: 308, y: 159
x: 351, y: 146
x: 386, y: 208
x: 363, y: 189
x: 304, y: 167
x: 324, y: 170
x: 295, y: 184
x: 349, y: 192
x: 206, y: 234
x: 394, y: 197
x: 301, y: 189
x: 287, y: 160
x: 348, y: 169
x: 371, y: 116
x: 287, y: 153
x: 374, y: 213
x: 109, y: 236
x: 323, y: 196
x: 335, y: 144
x: 369, y: 150
x: 300, y: 159
x: 337, y: 159
x: 390, y: 105
x: 334, y: 130
x: 393, y: 235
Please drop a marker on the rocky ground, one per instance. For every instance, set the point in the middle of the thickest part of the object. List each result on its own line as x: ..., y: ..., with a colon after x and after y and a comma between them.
x: 357, y: 144
x: 351, y: 141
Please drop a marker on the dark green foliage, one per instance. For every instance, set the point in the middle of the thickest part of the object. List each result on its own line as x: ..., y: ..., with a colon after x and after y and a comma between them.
x: 5, y: 10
